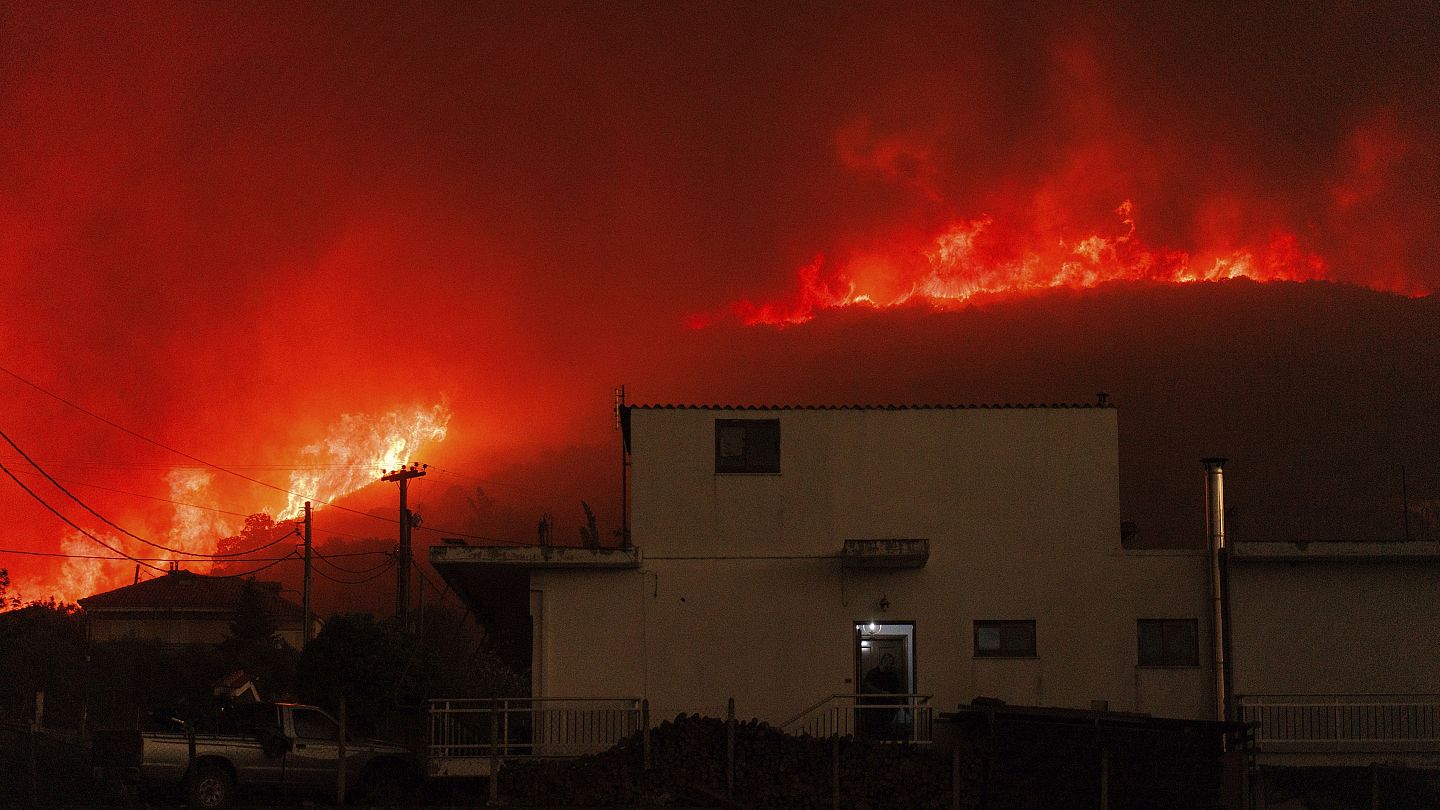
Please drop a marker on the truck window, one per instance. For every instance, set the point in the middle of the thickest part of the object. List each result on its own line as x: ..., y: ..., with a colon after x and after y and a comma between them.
x: 252, y: 718
x: 313, y: 725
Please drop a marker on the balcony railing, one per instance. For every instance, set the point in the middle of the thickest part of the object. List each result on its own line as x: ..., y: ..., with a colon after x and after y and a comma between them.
x: 882, y: 717
x: 1343, y: 723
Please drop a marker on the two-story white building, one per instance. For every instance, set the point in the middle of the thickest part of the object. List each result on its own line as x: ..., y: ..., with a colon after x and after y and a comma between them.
x: 780, y: 553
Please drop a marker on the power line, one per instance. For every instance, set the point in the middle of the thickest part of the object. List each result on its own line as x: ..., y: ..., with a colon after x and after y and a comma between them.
x: 180, y: 453
x: 291, y: 556
x: 266, y: 484
x: 72, y: 482
x: 112, y: 524
x: 68, y: 556
x: 383, y: 570
x: 72, y: 523
x: 338, y: 567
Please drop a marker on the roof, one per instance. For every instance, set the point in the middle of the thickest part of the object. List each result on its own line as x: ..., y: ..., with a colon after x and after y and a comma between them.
x: 1397, y: 551
x: 901, y: 407
x: 187, y: 591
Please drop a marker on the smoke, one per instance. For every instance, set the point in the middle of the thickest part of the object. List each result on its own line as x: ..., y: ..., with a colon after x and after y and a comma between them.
x: 227, y: 229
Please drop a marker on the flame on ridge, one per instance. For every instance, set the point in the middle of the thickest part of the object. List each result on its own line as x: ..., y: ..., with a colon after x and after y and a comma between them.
x: 191, y: 529
x: 975, y: 259
x: 356, y: 448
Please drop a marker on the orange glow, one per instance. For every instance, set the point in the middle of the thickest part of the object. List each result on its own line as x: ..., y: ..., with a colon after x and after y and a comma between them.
x: 976, y: 259
x: 356, y: 449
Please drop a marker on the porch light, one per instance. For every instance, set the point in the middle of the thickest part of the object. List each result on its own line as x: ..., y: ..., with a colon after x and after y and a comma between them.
x: 873, y: 628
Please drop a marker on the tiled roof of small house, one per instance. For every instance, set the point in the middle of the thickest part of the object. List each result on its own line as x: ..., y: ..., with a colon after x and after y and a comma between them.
x: 187, y: 591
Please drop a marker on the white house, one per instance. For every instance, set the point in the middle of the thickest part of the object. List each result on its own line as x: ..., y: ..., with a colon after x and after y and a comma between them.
x: 1333, y: 649
x: 780, y: 552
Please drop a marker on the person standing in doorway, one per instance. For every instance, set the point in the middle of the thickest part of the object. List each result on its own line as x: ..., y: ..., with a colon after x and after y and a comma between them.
x: 882, y: 679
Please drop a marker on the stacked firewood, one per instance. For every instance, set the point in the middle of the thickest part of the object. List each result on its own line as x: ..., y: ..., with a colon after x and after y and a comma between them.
x: 690, y: 762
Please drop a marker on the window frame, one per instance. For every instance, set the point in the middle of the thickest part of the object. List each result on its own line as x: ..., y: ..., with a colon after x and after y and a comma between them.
x: 1165, y: 661
x: 1033, y: 651
x: 302, y: 712
x: 747, y: 464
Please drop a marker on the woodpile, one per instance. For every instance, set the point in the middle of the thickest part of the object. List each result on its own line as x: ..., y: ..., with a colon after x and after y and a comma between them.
x: 1034, y: 761
x: 771, y: 769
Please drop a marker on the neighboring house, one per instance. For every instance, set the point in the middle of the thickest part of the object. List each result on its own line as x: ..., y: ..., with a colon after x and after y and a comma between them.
x: 781, y: 553
x: 1333, y: 649
x: 183, y: 608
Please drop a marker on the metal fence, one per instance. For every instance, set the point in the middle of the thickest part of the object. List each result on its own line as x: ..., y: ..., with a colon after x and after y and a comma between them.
x: 1343, y: 723
x: 881, y: 717
x: 530, y: 727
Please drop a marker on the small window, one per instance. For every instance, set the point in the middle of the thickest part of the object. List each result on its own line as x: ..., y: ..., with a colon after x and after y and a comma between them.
x: 747, y: 445
x: 1005, y: 638
x: 1169, y: 643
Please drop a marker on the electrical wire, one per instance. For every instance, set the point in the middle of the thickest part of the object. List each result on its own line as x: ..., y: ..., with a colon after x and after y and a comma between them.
x: 72, y: 482
x: 444, y: 592
x: 266, y: 484
x: 290, y: 556
x: 112, y: 524
x: 72, y: 523
x: 68, y: 556
x: 320, y: 573
x: 180, y: 453
x: 342, y: 568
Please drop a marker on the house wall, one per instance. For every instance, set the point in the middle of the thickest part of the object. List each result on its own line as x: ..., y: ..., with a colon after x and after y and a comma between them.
x: 741, y: 594
x: 1335, y: 627
x: 174, y: 627
x: 166, y: 628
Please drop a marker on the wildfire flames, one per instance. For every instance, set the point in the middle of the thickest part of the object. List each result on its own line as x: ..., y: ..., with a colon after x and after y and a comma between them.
x: 977, y: 259
x: 355, y: 450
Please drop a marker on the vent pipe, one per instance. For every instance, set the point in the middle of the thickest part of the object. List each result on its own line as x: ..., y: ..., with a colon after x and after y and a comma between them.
x: 1215, y: 527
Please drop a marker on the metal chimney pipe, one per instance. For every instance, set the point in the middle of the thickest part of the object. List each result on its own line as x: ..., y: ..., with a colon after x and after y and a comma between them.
x: 1215, y: 527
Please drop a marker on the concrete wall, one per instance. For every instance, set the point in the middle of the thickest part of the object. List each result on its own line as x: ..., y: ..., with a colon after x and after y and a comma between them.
x: 741, y: 594
x: 1327, y: 627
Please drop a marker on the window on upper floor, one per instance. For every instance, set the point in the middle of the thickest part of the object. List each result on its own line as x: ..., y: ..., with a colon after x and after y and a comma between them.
x: 747, y: 446
x: 1169, y: 642
x: 1004, y: 638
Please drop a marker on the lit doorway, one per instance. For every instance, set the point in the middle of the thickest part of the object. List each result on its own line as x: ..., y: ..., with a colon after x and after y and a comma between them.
x: 884, y: 665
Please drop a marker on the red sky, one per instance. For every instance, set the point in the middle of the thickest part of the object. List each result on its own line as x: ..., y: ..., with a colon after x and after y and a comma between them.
x: 227, y: 227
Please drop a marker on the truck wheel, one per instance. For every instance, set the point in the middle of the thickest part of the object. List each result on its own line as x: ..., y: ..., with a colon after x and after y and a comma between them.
x: 209, y: 786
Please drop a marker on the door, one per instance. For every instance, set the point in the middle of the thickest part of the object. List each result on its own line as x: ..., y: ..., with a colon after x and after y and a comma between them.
x: 884, y: 678
x: 313, y: 759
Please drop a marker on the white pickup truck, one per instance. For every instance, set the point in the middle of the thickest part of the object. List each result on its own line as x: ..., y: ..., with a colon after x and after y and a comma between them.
x: 269, y: 746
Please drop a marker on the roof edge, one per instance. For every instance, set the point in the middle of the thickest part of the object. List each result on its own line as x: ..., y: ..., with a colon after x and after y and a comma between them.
x: 878, y: 407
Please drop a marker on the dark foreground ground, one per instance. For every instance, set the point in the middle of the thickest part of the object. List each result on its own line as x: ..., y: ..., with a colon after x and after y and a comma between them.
x: 691, y: 767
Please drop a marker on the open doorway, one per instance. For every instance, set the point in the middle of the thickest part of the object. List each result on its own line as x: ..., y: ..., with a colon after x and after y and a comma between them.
x: 884, y: 665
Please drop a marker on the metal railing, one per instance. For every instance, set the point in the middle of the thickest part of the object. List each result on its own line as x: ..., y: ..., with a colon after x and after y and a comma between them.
x: 1343, y: 723
x: 882, y: 717
x: 530, y: 727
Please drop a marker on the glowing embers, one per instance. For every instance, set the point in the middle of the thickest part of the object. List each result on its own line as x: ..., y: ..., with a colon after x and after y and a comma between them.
x: 982, y: 258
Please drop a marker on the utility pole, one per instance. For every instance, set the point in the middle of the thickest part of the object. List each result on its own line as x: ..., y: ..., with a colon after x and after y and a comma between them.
x: 308, y: 620
x: 402, y: 561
